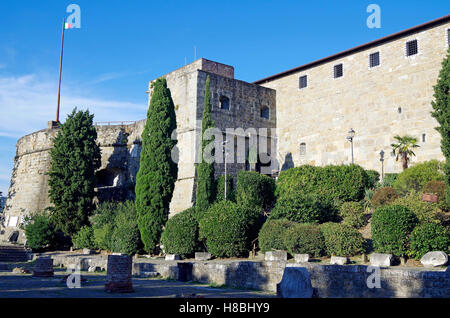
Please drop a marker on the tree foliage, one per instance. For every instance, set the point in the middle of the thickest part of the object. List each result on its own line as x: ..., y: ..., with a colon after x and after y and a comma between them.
x: 403, y: 148
x: 441, y: 112
x: 74, y: 158
x: 155, y: 180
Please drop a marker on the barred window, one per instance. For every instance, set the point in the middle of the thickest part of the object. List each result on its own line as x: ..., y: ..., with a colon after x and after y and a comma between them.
x: 374, y: 59
x: 302, y: 149
x: 338, y: 70
x: 411, y: 48
x: 224, y: 102
x: 265, y: 112
x: 303, y: 81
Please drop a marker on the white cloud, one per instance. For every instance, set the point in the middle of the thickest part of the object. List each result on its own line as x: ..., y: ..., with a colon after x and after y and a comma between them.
x: 28, y: 102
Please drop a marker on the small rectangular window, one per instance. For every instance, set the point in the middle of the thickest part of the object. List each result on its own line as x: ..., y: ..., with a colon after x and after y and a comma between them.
x: 303, y: 81
x: 374, y: 59
x: 338, y: 70
x: 411, y: 48
x: 423, y: 137
x: 302, y: 149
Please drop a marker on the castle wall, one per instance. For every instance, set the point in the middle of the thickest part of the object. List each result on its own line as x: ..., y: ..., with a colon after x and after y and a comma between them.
x: 365, y: 99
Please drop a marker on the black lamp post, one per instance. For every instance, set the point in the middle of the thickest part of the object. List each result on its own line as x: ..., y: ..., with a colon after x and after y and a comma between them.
x: 351, y: 134
x: 382, y: 164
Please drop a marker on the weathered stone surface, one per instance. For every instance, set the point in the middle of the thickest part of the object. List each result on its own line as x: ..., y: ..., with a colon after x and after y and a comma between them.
x: 301, y: 258
x: 338, y: 260
x: 43, y: 267
x: 296, y: 283
x: 378, y: 259
x: 172, y: 257
x: 93, y: 269
x: 432, y: 259
x: 87, y: 251
x: 149, y: 274
x: 276, y: 256
x: 202, y: 256
x: 118, y: 277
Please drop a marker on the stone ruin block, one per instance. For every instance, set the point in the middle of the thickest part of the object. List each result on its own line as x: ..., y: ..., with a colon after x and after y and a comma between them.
x: 436, y: 258
x: 43, y: 267
x: 275, y: 256
x: 172, y: 257
x: 338, y: 260
x: 202, y: 256
x: 301, y: 258
x: 118, y: 276
x: 378, y: 259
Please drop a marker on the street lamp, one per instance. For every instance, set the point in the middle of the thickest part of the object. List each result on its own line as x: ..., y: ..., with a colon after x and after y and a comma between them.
x: 225, y: 165
x: 382, y: 164
x: 351, y: 134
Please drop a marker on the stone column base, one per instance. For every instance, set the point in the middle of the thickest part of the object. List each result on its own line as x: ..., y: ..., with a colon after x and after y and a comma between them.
x: 113, y: 287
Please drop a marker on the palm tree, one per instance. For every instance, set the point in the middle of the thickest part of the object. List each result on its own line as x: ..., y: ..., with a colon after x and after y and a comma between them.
x: 403, y: 148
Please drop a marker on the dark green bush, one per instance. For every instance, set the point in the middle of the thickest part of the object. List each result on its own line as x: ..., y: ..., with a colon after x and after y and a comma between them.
x: 220, y: 188
x: 304, y: 208
x: 180, y: 234
x: 304, y: 238
x: 389, y: 179
x: 426, y: 212
x: 255, y: 189
x: 415, y: 177
x: 342, y: 240
x: 428, y: 237
x: 391, y: 226
x: 227, y: 228
x: 352, y: 214
x: 373, y: 178
x: 337, y: 183
x: 40, y: 231
x: 384, y: 196
x: 271, y: 236
x: 84, y: 238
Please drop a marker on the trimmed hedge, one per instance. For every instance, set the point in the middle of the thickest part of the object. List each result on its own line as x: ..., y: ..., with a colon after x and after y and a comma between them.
x: 415, y: 177
x: 428, y: 237
x: 384, y: 196
x: 228, y: 228
x: 271, y: 235
x: 426, y: 212
x: 40, y: 231
x: 255, y: 189
x: 220, y: 188
x: 304, y: 208
x: 84, y: 238
x: 304, y: 238
x: 180, y: 234
x: 391, y: 226
x: 342, y: 240
x: 352, y: 214
x: 338, y: 183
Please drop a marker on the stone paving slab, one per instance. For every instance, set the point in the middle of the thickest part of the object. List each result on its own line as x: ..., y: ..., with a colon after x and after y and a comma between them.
x: 26, y: 286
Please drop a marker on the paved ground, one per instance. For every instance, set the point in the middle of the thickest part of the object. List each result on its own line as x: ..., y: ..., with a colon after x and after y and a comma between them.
x: 24, y: 285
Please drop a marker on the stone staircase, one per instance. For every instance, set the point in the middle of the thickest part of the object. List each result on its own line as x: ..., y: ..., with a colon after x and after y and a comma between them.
x: 14, y: 253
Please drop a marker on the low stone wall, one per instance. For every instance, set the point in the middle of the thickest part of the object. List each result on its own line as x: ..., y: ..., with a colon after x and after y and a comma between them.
x: 327, y: 280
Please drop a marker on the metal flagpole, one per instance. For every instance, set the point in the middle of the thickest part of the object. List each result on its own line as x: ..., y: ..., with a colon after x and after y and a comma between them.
x: 60, y: 69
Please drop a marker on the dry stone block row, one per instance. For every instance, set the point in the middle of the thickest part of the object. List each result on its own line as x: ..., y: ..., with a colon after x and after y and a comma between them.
x: 337, y: 260
x: 301, y: 258
x: 378, y: 259
x: 202, y: 256
x: 43, y: 267
x: 276, y: 256
x: 118, y: 277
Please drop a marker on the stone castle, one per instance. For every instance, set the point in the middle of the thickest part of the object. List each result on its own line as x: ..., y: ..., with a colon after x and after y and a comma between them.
x: 380, y: 89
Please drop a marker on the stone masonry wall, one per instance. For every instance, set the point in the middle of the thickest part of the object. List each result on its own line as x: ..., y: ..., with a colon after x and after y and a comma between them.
x: 365, y: 99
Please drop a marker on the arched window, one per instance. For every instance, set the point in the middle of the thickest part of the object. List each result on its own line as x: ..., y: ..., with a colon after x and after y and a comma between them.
x: 265, y: 112
x: 224, y: 102
x: 302, y: 149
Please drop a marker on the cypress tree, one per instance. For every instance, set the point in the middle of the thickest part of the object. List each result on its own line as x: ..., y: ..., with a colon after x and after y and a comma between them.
x: 441, y: 113
x: 155, y: 180
x: 74, y: 158
x: 205, y: 191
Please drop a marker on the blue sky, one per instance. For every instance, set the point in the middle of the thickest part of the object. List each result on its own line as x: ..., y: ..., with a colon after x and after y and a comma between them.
x: 121, y: 45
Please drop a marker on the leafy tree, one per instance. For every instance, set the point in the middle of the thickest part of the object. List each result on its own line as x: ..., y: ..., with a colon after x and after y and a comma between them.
x: 39, y: 231
x: 441, y: 107
x: 205, y: 170
x: 74, y: 158
x: 404, y: 148
x: 157, y: 174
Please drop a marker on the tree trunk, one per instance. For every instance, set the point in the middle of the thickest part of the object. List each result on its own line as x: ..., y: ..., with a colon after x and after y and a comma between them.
x: 405, y: 160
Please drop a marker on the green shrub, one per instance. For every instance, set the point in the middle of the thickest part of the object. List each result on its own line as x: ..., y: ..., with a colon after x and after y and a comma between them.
x: 428, y: 237
x: 304, y: 238
x: 304, y: 208
x: 337, y: 183
x: 220, y: 188
x: 255, y: 189
x: 373, y: 178
x: 391, y: 226
x: 384, y: 196
x: 426, y: 212
x: 84, y: 238
x: 180, y: 234
x: 415, y: 177
x: 352, y: 214
x: 227, y: 228
x: 389, y: 179
x: 103, y: 225
x: 342, y: 240
x: 271, y: 236
x: 437, y: 187
x: 39, y: 231
x: 126, y: 237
